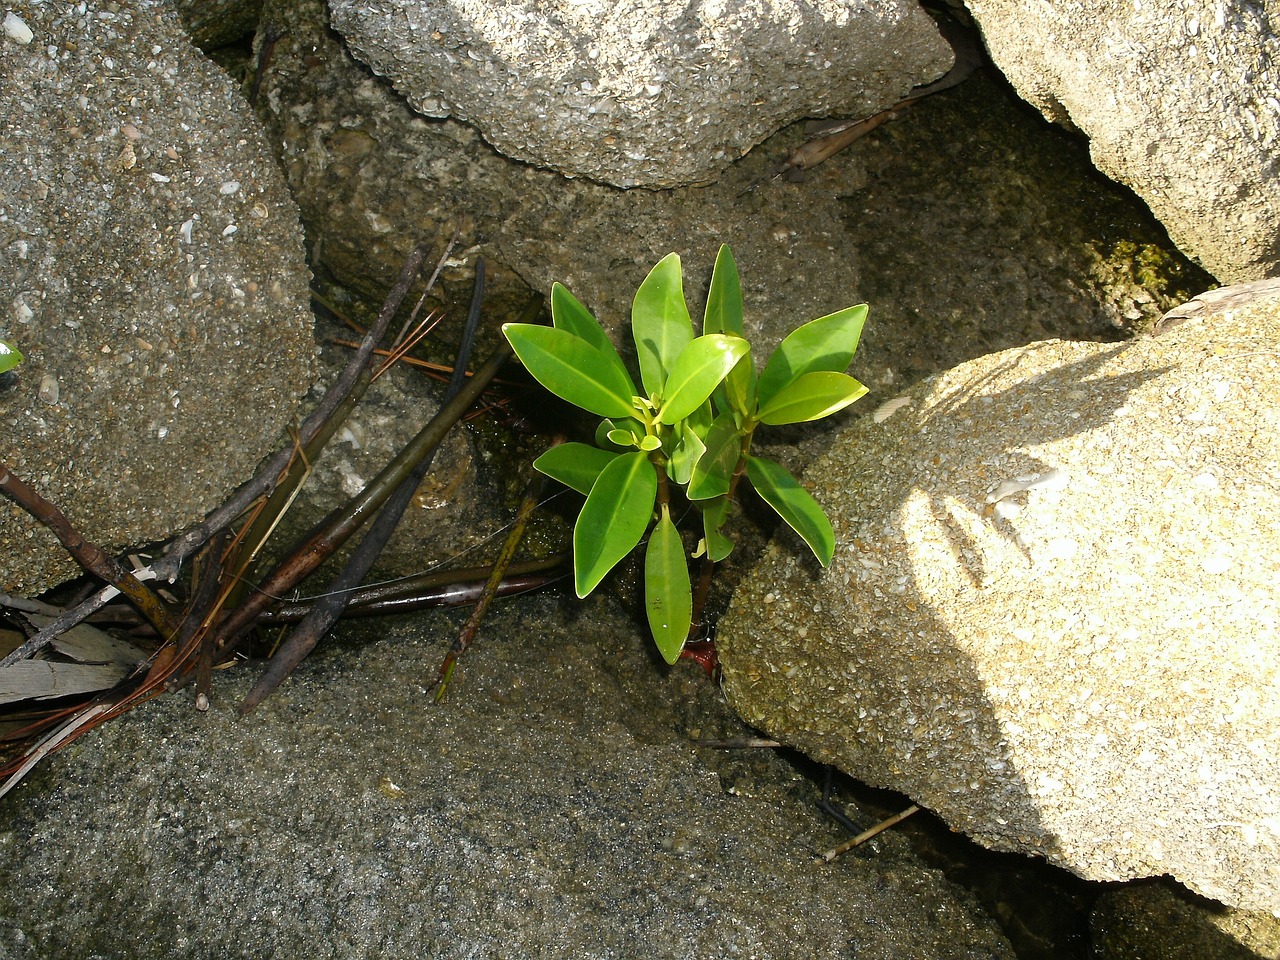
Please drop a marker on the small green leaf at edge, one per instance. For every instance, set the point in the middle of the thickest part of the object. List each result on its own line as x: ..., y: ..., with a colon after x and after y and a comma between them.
x: 576, y: 465
x: 613, y: 519
x: 811, y: 396
x: 568, y: 313
x: 794, y: 504
x: 660, y: 322
x: 827, y: 343
x: 699, y: 369
x: 10, y: 356
x: 573, y: 369
x: 724, y: 298
x: 668, y: 596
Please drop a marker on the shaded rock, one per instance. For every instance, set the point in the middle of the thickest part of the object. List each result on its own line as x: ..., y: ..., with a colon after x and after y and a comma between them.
x: 153, y: 278
x: 1180, y: 102
x: 969, y: 225
x: 656, y: 94
x: 212, y: 23
x: 1158, y: 921
x: 1052, y: 614
x: 552, y: 806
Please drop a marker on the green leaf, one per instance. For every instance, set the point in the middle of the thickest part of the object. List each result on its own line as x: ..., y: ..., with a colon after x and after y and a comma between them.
x: 633, y: 429
x: 686, y: 453
x: 715, y: 469
x: 660, y: 323
x: 811, y: 396
x: 613, y: 519
x: 724, y: 299
x: 668, y: 597
x: 827, y: 343
x: 714, y: 517
x: 576, y: 465
x: 696, y: 372
x: 794, y: 504
x: 10, y: 356
x: 568, y: 314
x: 573, y: 369
x: 738, y: 392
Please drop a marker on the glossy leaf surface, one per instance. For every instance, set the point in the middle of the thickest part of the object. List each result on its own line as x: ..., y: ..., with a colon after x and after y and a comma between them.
x: 573, y: 369
x: 696, y: 372
x: 660, y: 323
x: 576, y: 465
x: 724, y: 299
x: 668, y: 596
x: 827, y: 343
x: 714, y: 470
x: 613, y: 519
x: 794, y: 504
x: 568, y: 314
x: 811, y: 396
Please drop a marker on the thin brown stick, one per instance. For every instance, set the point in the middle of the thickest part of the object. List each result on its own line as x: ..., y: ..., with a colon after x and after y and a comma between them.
x: 89, y: 555
x: 866, y: 835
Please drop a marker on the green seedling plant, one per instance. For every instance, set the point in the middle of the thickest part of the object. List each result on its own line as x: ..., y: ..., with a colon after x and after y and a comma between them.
x: 690, y: 427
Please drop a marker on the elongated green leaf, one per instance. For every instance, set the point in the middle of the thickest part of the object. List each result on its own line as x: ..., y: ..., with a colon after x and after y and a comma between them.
x: 613, y: 519
x: 573, y: 369
x: 724, y: 299
x: 696, y: 372
x: 827, y: 343
x: 576, y: 465
x: 715, y: 468
x: 660, y: 323
x: 568, y: 314
x: 811, y: 396
x: 794, y: 504
x: 714, y: 516
x: 668, y: 597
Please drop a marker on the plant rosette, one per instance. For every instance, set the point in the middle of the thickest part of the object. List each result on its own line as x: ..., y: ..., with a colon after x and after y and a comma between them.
x: 690, y: 427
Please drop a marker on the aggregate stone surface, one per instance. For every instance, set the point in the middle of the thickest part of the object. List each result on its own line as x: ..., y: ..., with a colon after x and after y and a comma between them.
x: 554, y: 805
x: 153, y: 276
x: 1053, y: 614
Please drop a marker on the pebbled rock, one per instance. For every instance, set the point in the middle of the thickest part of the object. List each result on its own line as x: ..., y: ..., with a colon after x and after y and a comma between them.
x: 1052, y: 613
x: 653, y: 94
x: 1180, y: 102
x: 553, y: 805
x: 153, y: 276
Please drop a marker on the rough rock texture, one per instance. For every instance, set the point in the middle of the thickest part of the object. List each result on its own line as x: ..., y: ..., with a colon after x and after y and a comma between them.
x: 658, y: 93
x: 969, y: 225
x: 1158, y: 921
x: 553, y: 806
x: 1052, y: 617
x: 1180, y: 101
x: 153, y: 276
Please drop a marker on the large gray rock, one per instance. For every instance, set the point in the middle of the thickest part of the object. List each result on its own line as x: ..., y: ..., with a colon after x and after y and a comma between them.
x: 153, y: 276
x: 1180, y: 101
x: 1052, y: 616
x: 1003, y: 236
x: 553, y: 806
x: 654, y: 94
